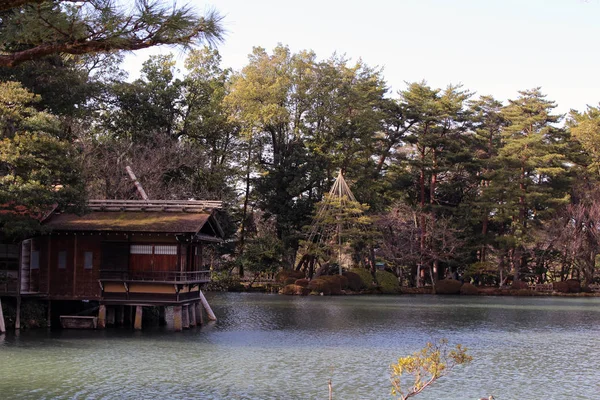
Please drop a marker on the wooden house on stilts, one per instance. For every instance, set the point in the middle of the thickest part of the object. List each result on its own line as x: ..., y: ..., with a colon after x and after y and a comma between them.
x: 122, y: 256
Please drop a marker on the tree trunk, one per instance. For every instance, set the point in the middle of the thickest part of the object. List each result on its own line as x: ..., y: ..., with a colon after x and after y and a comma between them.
x: 484, y: 229
x: 432, y: 186
x: 245, y: 209
x: 422, y: 205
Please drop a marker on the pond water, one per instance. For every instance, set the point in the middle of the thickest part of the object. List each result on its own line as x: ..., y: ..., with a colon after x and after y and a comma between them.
x: 279, y: 347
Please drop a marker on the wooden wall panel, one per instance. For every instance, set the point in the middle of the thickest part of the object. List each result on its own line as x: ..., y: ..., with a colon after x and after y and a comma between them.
x: 86, y: 281
x: 140, y: 262
x: 34, y: 274
x: 61, y: 279
x: 44, y: 244
x: 165, y: 262
x: 114, y: 255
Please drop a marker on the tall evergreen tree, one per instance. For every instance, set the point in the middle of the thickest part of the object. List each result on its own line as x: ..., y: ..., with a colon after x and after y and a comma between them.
x: 532, y: 181
x: 38, y: 169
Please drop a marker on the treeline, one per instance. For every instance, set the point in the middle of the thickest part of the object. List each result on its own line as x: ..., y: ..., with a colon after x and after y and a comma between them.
x: 456, y: 183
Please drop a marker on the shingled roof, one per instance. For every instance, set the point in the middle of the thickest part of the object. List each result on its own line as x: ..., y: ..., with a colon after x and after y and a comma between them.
x: 139, y: 216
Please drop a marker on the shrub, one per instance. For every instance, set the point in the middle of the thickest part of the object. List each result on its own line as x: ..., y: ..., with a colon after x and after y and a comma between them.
x: 365, y: 276
x: 236, y: 287
x: 33, y: 314
x: 222, y: 281
x: 586, y: 289
x: 335, y: 284
x: 448, y: 286
x: 388, y: 283
x: 519, y: 285
x: 343, y: 281
x: 339, y: 279
x: 524, y: 292
x: 561, y: 287
x: 320, y: 285
x: 295, y: 290
x: 354, y: 282
x: 574, y: 285
x: 288, y: 273
x: 290, y: 280
x: 469, y: 289
x: 301, y: 282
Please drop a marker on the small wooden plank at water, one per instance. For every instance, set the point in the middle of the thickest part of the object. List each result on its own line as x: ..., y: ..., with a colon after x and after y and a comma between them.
x: 78, y: 322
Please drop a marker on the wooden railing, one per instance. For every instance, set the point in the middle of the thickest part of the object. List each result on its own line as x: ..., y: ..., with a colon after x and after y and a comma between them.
x: 155, y: 276
x: 259, y: 279
x: 541, y: 287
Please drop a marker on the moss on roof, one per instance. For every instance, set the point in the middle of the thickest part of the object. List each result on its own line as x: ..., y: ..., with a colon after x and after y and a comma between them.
x: 130, y: 221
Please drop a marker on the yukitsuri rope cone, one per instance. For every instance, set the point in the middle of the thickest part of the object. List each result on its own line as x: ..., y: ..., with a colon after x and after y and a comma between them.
x: 338, y: 220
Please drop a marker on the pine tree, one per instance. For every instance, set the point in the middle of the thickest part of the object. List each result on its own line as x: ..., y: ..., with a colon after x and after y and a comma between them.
x: 38, y: 169
x: 32, y: 29
x: 531, y: 182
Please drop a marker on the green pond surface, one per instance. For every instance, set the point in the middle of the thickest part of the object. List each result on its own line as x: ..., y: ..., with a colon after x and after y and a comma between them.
x: 279, y: 347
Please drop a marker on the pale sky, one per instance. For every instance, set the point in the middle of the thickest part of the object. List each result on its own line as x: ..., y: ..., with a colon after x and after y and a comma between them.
x: 492, y: 47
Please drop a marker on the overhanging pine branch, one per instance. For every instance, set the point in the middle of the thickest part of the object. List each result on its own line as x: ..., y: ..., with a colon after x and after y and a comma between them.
x: 101, y: 27
x: 9, y: 4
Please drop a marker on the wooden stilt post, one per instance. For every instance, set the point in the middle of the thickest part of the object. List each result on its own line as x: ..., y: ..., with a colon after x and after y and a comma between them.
x: 185, y: 316
x: 110, y: 315
x: 121, y: 315
x: 177, y: 319
x: 49, y: 317
x: 162, y: 319
x: 18, y: 316
x: 2, y: 326
x: 209, y: 311
x: 173, y: 318
x: 101, y: 316
x: 138, y: 318
x: 199, y: 314
x: 192, y: 311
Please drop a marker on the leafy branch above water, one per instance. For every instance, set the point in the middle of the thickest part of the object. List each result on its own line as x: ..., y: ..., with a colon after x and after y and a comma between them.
x: 412, y: 374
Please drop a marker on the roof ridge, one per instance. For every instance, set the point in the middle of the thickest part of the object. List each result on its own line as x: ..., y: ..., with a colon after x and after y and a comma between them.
x: 155, y: 205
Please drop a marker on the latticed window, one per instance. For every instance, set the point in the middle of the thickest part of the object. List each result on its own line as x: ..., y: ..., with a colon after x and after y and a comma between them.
x: 165, y: 250
x: 170, y: 250
x: 140, y: 249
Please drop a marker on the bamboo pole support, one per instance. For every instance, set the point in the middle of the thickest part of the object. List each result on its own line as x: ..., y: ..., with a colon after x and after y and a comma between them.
x: 2, y: 326
x: 137, y: 184
x: 209, y: 311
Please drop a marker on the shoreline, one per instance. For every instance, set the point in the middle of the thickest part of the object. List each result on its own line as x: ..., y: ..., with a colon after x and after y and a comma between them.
x: 482, y: 291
